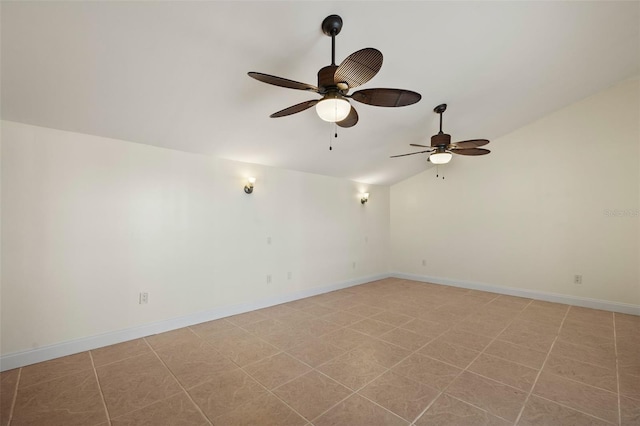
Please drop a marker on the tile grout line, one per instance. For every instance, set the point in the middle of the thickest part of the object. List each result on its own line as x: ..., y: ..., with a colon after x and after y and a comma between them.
x: 542, y: 367
x: 575, y: 409
x: 15, y: 397
x: 393, y: 366
x: 104, y: 403
x: 179, y: 384
x: 615, y: 347
x: 478, y: 356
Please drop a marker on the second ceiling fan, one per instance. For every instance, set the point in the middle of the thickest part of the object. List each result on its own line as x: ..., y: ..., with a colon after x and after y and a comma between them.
x: 335, y: 81
x: 442, y: 148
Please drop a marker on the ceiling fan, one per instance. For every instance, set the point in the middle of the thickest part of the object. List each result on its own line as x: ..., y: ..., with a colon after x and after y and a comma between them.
x: 441, y: 148
x: 335, y: 81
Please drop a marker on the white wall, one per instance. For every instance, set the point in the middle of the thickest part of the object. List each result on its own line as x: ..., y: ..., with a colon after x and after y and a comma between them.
x: 89, y: 222
x: 533, y: 213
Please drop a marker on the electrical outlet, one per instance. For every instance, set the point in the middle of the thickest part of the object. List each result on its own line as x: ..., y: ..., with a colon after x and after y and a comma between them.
x: 577, y: 279
x: 144, y: 298
x: 353, y: 265
x: 424, y: 262
x: 289, y: 275
x: 269, y: 240
x: 268, y: 279
x: 366, y: 239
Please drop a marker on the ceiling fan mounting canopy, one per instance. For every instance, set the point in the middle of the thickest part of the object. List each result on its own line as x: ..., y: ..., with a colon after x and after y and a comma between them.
x: 335, y: 81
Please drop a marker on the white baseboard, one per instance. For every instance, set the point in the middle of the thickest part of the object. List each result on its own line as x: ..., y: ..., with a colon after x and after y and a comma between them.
x: 585, y: 302
x: 20, y: 359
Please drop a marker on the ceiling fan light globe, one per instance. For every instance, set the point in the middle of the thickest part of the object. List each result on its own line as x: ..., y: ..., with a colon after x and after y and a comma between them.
x: 440, y: 157
x: 333, y: 109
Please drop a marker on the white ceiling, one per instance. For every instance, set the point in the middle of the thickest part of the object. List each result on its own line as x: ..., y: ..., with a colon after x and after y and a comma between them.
x: 174, y: 74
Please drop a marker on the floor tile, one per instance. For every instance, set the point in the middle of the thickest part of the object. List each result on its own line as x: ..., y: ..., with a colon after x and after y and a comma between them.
x: 319, y: 310
x: 277, y: 311
x: 352, y: 370
x: 276, y: 370
x: 312, y: 394
x: 405, y: 338
x: 285, y: 339
x: 315, y: 352
x: 242, y: 349
x: 504, y: 371
x: 528, y: 339
x: 449, y: 353
x: 542, y: 412
x: 356, y: 410
x: 605, y: 358
x: 518, y: 354
x: 346, y: 338
x: 264, y: 327
x: 54, y: 369
x: 426, y: 328
x: 382, y: 353
x: 586, y: 373
x: 177, y: 410
x: 630, y: 386
x: 316, y: 326
x: 211, y: 327
x: 476, y: 342
x: 485, y: 328
x: 586, y: 339
x: 392, y: 318
x: 194, y: 362
x: 246, y: 318
x: 8, y: 384
x: 67, y: 401
x: 342, y: 318
x: 265, y: 410
x: 133, y: 383
x: 371, y: 327
x: 172, y: 338
x: 404, y: 397
x: 364, y: 310
x: 427, y: 371
x: 587, y: 399
x: 630, y: 411
x: 119, y: 352
x: 601, y: 318
x: 449, y: 411
x: 498, y: 399
x: 226, y: 392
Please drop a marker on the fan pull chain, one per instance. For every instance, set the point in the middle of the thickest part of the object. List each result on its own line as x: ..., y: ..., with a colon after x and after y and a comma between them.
x: 437, y: 172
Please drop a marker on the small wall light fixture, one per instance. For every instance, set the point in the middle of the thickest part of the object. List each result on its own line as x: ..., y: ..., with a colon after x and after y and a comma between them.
x: 248, y: 188
x: 364, y: 197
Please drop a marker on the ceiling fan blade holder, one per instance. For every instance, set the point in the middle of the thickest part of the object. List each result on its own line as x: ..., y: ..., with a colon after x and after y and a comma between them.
x: 418, y: 145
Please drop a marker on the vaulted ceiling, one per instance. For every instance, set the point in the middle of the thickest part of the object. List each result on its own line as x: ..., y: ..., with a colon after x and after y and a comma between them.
x: 174, y: 74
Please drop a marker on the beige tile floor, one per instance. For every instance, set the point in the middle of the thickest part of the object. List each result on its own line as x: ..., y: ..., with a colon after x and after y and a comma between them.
x: 390, y: 352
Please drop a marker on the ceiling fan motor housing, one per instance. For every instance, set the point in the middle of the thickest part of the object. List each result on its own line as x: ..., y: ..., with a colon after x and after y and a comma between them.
x: 441, y: 139
x: 326, y: 78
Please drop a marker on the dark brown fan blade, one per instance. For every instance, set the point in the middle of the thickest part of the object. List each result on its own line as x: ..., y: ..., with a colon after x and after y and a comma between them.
x: 421, y: 146
x: 351, y: 119
x: 282, y: 82
x: 294, y: 109
x: 472, y: 143
x: 359, y: 67
x: 386, y: 97
x: 471, y: 151
x: 412, y: 153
